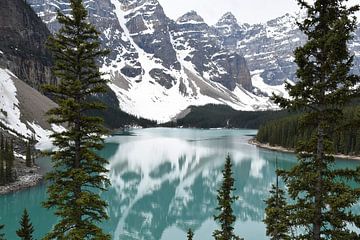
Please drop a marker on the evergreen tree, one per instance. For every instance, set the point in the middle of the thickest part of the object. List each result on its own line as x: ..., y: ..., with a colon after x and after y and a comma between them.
x: 190, y: 234
x: 2, y: 161
x: 28, y: 159
x: 2, y: 168
x: 79, y: 173
x: 2, y: 143
x: 2, y: 235
x: 276, y: 217
x: 321, y: 197
x: 9, y: 160
x: 26, y: 230
x: 226, y: 218
x: 32, y: 143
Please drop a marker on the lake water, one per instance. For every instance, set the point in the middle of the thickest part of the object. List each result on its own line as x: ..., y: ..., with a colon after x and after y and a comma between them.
x: 164, y: 181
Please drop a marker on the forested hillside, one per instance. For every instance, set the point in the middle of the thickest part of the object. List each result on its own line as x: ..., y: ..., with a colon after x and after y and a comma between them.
x: 288, y: 131
x: 216, y: 116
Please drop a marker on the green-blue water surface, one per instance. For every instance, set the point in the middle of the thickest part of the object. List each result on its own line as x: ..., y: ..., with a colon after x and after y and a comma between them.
x: 164, y: 181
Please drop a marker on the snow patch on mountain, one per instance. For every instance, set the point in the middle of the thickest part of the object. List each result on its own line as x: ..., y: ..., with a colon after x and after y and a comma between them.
x: 158, y: 67
x: 11, y: 115
x: 269, y: 90
x: 9, y: 110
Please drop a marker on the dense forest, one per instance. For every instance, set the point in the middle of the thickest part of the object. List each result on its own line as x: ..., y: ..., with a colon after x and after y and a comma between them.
x: 114, y: 118
x: 7, y: 159
x: 215, y: 116
x: 289, y: 131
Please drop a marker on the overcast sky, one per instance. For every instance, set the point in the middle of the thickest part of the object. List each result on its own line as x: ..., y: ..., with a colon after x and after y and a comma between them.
x: 249, y: 11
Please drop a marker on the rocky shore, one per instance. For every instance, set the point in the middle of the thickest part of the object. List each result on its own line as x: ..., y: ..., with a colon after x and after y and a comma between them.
x: 282, y: 149
x: 26, y: 177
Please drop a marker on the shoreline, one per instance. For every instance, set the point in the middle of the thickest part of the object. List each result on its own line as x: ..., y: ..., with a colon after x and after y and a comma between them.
x: 267, y: 146
x: 27, y: 178
x: 31, y: 177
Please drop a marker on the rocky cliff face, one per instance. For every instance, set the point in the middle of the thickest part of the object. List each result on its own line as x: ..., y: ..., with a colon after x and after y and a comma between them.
x: 22, y: 43
x: 158, y: 66
x: 229, y: 30
x: 157, y: 63
x: 268, y: 48
x: 24, y: 66
x: 201, y: 46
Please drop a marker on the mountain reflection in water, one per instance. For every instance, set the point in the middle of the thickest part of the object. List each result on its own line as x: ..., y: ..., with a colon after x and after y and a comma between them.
x: 164, y: 181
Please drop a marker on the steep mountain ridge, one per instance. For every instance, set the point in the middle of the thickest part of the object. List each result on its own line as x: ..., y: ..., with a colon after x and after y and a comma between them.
x: 158, y: 67
x: 229, y: 30
x: 268, y: 47
x: 24, y: 66
x: 207, y: 54
x: 23, y: 109
x: 22, y: 43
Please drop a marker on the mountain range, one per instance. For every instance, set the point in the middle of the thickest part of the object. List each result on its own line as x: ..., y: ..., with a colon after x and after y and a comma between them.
x: 158, y: 67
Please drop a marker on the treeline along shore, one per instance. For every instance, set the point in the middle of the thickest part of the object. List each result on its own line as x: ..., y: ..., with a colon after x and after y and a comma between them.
x: 285, y: 133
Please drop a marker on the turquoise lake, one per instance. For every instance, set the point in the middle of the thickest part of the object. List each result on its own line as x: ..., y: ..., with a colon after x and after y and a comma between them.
x: 164, y: 181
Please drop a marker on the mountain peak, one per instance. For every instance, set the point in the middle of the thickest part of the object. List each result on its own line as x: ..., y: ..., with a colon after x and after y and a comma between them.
x: 189, y: 17
x: 227, y: 19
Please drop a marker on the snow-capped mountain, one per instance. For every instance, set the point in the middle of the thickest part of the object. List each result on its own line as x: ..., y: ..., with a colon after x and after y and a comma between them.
x: 24, y: 66
x: 268, y: 48
x: 158, y: 67
x: 22, y: 109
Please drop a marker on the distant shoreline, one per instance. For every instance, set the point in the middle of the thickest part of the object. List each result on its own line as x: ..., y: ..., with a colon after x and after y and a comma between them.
x: 253, y: 141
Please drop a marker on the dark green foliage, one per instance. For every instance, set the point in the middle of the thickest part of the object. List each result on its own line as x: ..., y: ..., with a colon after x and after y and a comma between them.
x: 79, y: 173
x: 284, y: 132
x: 7, y: 159
x: 2, y: 169
x: 26, y: 228
x: 28, y: 159
x: 214, y: 116
x: 115, y: 118
x: 226, y: 218
x: 2, y: 235
x: 190, y: 234
x: 288, y: 132
x: 2, y: 162
x: 277, y: 214
x: 10, y: 158
x: 321, y: 196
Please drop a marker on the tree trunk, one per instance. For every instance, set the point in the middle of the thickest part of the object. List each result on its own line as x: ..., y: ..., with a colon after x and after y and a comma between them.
x: 319, y: 183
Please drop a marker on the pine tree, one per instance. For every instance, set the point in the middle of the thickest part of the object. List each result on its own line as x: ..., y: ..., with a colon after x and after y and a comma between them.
x: 2, y: 161
x: 32, y: 143
x: 276, y: 218
x: 2, y: 143
x: 28, y: 159
x: 2, y: 168
x: 2, y: 235
x: 79, y: 173
x: 9, y: 160
x: 321, y: 197
x: 26, y: 230
x: 190, y: 234
x: 226, y: 218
